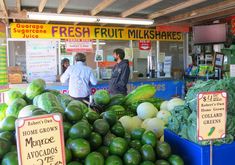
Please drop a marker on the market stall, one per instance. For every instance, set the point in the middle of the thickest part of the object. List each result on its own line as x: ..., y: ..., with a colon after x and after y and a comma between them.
x: 157, y: 122
x: 147, y: 59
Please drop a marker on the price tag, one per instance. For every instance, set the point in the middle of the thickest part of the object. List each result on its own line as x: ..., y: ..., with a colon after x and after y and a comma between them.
x: 212, y: 114
x: 40, y: 140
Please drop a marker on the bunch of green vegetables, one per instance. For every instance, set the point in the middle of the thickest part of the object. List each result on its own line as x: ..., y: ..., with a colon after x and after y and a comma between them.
x: 184, y: 118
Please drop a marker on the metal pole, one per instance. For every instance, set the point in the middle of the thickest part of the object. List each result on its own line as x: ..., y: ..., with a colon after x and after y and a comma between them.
x: 211, y: 152
x: 97, y: 66
x: 186, y: 49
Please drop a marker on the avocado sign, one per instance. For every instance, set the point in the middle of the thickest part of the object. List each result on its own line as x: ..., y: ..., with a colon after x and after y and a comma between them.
x: 40, y: 140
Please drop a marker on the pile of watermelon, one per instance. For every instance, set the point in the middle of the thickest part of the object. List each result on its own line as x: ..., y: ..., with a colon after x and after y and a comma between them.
x: 126, y: 105
x: 90, y: 138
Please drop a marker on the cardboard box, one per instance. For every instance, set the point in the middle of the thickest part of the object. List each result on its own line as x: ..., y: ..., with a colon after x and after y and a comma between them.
x: 194, y: 154
x: 14, y: 75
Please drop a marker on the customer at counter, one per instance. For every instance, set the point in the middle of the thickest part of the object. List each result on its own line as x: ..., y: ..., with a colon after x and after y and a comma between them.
x: 80, y: 77
x: 64, y: 64
x: 120, y: 73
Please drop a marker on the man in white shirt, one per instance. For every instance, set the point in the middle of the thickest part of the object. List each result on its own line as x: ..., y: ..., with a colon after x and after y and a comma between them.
x: 80, y: 78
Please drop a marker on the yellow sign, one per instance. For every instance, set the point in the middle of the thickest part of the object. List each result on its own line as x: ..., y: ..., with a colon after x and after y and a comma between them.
x: 40, y: 140
x: 24, y: 30
x: 212, y: 114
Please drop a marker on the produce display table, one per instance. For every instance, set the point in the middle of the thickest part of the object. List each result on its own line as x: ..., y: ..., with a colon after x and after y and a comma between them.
x: 194, y: 154
x: 166, y: 87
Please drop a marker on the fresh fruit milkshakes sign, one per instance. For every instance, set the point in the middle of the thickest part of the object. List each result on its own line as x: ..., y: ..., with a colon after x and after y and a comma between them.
x: 24, y: 30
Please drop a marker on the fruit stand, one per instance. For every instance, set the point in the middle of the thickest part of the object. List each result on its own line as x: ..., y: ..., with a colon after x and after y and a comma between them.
x: 103, y: 136
x: 135, y: 129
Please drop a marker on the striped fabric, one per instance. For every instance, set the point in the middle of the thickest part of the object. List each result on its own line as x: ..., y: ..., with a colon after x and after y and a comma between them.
x: 2, y: 97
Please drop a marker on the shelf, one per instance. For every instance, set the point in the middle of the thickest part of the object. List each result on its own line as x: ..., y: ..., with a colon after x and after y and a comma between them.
x: 198, y: 77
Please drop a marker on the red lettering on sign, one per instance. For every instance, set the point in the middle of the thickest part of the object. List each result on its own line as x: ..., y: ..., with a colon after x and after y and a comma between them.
x: 144, y: 45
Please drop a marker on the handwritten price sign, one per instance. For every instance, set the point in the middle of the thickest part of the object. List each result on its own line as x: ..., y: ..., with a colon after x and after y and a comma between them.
x: 40, y: 140
x: 212, y: 114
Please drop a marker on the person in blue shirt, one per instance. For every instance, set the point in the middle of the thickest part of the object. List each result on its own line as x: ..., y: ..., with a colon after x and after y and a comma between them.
x: 80, y: 78
x: 120, y: 73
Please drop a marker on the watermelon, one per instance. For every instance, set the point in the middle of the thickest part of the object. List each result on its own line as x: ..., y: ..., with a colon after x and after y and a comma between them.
x: 12, y: 95
x: 115, y: 108
x: 48, y: 101
x: 3, y: 108
x: 8, y: 123
x: 36, y: 87
x: 27, y: 111
x: 28, y: 101
x: 10, y: 158
x: 101, y: 97
x: 117, y: 99
x: 118, y: 109
x: 35, y: 100
x: 64, y: 100
x: 5, y: 147
x: 80, y: 105
x: 14, y: 108
x: 56, y: 110
x: 53, y: 91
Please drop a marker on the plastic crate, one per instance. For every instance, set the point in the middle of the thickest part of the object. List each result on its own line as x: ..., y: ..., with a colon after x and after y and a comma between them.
x: 194, y: 154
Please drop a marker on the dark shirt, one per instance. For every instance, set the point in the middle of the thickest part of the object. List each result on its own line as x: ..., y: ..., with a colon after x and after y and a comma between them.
x: 119, y: 78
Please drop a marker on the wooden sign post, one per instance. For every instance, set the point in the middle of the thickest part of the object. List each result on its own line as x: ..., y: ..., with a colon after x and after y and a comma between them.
x: 211, y: 116
x: 40, y: 140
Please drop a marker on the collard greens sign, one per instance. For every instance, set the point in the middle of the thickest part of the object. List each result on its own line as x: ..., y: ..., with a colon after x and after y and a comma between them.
x: 212, y: 114
x: 40, y: 140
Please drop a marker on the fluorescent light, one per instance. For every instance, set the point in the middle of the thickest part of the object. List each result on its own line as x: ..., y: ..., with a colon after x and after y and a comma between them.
x: 87, y: 18
x: 100, y: 43
x: 129, y: 21
x: 60, y: 17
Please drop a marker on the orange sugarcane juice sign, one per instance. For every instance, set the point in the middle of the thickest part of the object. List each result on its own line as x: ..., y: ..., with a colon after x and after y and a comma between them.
x: 212, y: 114
x: 40, y: 140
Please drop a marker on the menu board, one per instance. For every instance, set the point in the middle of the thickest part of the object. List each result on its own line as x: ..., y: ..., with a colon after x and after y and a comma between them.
x: 41, y: 59
x: 77, y: 45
